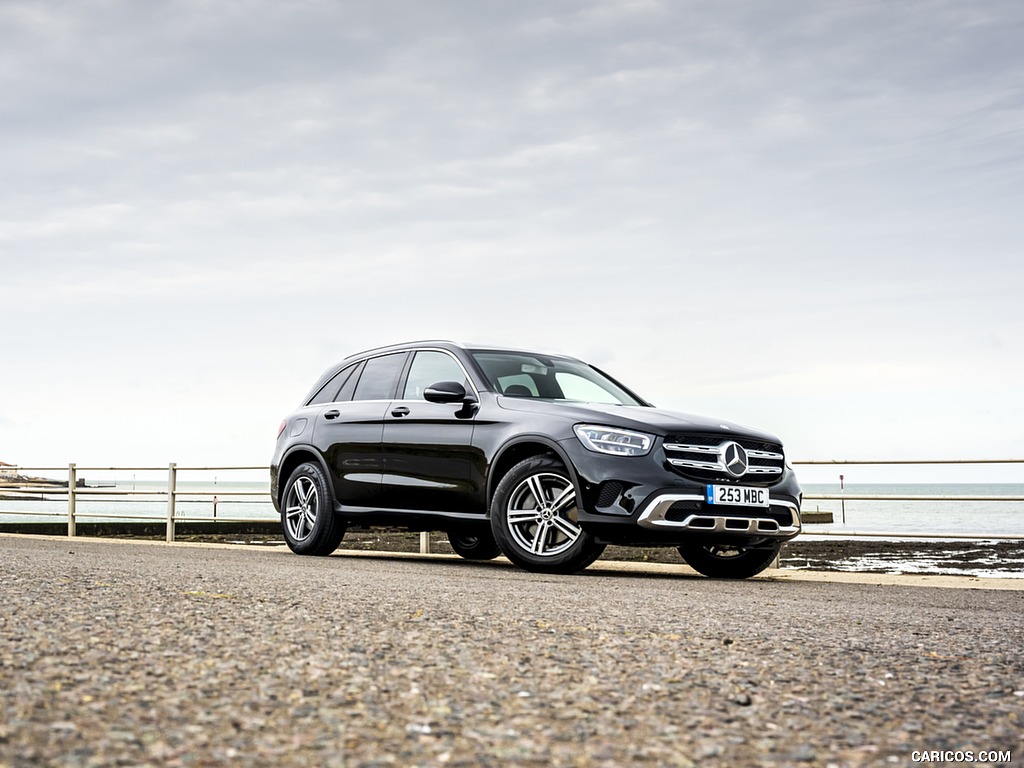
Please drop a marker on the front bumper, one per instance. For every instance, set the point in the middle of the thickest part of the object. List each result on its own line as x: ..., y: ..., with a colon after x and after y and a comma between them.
x: 657, y: 514
x: 645, y: 494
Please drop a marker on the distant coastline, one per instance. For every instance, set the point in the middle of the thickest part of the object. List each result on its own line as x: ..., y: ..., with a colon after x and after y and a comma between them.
x: 19, y: 487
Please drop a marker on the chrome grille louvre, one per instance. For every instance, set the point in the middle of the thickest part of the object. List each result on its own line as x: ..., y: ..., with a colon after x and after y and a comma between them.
x: 700, y: 456
x: 716, y: 440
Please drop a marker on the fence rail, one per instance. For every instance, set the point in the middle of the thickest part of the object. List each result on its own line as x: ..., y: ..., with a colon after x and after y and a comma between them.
x: 883, y: 462
x: 176, y: 497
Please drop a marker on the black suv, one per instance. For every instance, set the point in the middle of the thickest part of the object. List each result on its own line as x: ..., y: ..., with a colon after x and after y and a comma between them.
x: 542, y: 458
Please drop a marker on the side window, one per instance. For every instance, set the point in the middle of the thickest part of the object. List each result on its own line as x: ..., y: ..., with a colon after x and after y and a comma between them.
x: 380, y: 374
x: 328, y: 391
x: 429, y: 368
x: 349, y: 387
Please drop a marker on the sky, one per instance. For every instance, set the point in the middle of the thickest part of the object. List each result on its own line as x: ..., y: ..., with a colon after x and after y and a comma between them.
x: 803, y: 216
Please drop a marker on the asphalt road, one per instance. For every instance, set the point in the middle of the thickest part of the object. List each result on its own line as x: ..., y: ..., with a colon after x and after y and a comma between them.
x: 124, y: 653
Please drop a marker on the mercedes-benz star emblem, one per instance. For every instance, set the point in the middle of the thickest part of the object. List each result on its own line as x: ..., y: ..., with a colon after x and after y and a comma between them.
x: 734, y: 457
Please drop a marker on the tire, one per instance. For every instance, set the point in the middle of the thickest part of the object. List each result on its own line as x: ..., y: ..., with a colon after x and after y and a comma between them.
x: 534, y: 519
x: 474, y: 544
x: 310, y: 524
x: 727, y: 561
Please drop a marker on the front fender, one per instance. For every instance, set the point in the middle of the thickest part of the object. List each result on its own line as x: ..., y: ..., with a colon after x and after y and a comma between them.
x: 520, y: 448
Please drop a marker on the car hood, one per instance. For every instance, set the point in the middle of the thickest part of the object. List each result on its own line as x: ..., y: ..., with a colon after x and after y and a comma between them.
x: 642, y: 418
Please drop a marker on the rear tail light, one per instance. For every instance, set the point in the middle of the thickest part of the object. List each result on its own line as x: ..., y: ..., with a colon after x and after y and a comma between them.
x: 280, y: 429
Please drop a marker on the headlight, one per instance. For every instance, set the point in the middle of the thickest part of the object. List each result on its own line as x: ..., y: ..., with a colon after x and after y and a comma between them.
x: 618, y: 442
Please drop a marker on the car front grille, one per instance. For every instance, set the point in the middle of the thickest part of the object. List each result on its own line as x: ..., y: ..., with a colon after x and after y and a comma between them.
x: 702, y: 457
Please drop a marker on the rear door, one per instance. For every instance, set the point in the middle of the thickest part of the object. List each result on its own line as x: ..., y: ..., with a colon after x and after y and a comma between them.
x: 349, y: 429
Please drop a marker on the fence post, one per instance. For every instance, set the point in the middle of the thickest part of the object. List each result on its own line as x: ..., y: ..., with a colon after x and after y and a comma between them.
x: 424, y: 542
x: 172, y: 484
x: 72, y: 498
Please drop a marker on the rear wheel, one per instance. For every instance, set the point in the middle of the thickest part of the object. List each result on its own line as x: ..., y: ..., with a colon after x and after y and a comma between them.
x: 728, y: 561
x: 307, y: 515
x: 474, y: 545
x: 534, y: 519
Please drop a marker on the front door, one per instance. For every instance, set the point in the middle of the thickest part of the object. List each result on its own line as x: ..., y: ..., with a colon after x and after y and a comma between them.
x: 428, y: 449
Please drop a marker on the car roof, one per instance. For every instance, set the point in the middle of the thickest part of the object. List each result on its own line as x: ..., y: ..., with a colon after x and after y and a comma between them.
x: 450, y: 345
x: 443, y: 344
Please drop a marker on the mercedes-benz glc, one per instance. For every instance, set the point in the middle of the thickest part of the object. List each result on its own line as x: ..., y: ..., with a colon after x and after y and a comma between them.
x: 540, y: 457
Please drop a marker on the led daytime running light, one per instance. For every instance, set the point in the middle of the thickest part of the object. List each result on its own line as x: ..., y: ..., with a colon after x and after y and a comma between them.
x: 617, y: 442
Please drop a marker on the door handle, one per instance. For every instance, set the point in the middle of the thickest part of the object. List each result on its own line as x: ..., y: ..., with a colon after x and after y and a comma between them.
x: 332, y: 414
x: 400, y: 411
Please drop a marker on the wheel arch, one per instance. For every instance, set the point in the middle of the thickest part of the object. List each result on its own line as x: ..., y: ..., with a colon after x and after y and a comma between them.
x: 520, y: 449
x: 296, y: 456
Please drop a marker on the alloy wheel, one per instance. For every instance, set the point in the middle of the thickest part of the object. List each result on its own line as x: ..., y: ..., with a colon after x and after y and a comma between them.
x: 542, y: 514
x: 301, y: 508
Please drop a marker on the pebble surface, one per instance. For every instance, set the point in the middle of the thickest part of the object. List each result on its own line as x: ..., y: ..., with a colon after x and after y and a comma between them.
x: 117, y: 653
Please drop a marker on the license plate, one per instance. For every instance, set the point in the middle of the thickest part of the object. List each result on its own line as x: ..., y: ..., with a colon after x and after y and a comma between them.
x: 737, y: 496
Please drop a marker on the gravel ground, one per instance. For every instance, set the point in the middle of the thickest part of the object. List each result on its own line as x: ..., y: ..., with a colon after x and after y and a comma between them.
x: 863, y: 555
x: 122, y: 653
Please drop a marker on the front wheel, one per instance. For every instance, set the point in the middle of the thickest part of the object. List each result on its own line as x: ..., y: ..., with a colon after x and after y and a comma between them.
x: 535, y: 520
x: 728, y: 561
x: 307, y: 515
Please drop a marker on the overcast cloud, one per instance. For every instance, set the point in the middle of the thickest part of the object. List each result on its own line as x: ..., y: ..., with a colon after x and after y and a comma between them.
x: 802, y: 215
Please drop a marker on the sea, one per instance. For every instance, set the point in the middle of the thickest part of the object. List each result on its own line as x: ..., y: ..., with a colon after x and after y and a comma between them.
x: 942, y: 516
x: 950, y: 516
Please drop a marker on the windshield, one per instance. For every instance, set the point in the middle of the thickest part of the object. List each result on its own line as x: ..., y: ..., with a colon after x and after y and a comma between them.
x: 517, y: 374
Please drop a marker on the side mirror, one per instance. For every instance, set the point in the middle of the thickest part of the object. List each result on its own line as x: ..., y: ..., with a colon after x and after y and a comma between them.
x: 445, y: 392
